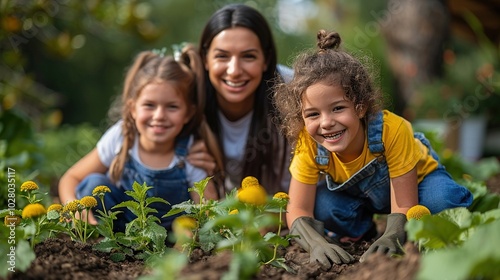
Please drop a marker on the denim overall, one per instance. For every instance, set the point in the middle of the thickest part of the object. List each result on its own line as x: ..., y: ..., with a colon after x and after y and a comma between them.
x: 170, y: 184
x: 347, y: 209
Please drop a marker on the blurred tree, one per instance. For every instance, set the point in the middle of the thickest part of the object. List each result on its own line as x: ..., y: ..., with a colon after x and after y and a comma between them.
x: 415, y: 32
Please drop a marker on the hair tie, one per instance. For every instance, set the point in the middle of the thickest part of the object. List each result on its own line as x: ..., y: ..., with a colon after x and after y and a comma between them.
x: 160, y: 52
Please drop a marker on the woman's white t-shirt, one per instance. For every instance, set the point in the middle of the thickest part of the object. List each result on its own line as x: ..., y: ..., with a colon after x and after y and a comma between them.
x: 234, y: 139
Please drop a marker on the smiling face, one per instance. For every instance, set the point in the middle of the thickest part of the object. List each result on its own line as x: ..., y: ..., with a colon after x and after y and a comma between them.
x: 160, y: 112
x: 235, y: 63
x: 333, y: 121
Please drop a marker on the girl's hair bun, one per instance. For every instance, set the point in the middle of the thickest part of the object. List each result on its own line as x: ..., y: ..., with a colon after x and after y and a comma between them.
x: 328, y: 40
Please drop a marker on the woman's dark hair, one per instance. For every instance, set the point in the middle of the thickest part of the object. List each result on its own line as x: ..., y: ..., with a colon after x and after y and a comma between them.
x: 265, y: 158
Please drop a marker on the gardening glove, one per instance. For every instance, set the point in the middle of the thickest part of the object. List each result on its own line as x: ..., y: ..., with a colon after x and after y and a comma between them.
x: 393, y: 239
x: 312, y: 240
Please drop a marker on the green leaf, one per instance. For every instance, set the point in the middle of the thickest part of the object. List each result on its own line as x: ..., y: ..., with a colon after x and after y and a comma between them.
x: 53, y: 215
x: 243, y: 265
x: 153, y: 199
x: 24, y: 255
x: 433, y: 232
x: 117, y: 257
x: 157, y: 234
x: 478, y: 258
x: 169, y: 267
x: 173, y: 211
x: 106, y: 245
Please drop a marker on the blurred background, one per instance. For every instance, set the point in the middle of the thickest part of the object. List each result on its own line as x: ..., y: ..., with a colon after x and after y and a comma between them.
x: 62, y: 63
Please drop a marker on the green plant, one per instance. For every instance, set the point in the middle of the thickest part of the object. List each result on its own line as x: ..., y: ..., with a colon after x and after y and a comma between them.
x: 455, y: 235
x: 200, y: 213
x: 24, y: 228
x: 477, y: 258
x: 74, y: 214
x: 144, y: 238
x: 106, y: 217
x: 240, y: 223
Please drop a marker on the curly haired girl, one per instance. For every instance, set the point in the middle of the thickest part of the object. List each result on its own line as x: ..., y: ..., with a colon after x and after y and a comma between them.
x: 371, y: 159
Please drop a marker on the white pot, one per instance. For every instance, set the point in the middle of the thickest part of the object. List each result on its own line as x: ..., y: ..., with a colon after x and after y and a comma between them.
x: 472, y: 137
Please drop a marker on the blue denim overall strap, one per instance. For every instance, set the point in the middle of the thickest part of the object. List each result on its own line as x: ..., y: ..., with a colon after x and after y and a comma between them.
x: 376, y: 147
x: 169, y: 184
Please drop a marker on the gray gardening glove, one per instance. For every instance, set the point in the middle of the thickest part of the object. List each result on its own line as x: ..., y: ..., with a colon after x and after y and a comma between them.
x: 312, y: 240
x: 392, y: 240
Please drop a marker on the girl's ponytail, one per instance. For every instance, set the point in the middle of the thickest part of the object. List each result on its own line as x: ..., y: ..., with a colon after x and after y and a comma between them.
x: 130, y: 88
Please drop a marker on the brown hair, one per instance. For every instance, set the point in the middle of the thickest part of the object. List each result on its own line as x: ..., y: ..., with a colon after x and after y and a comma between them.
x: 265, y: 156
x: 186, y: 75
x: 329, y: 64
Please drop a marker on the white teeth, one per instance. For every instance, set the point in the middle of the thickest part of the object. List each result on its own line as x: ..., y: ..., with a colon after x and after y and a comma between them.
x: 235, y: 84
x: 334, y: 136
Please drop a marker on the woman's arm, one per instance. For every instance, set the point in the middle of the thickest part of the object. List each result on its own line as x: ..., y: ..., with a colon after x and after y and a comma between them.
x: 302, y: 200
x: 404, y: 192
x: 199, y: 156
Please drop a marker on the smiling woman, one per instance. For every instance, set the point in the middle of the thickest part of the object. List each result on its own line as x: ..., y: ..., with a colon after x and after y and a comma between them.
x: 239, y: 55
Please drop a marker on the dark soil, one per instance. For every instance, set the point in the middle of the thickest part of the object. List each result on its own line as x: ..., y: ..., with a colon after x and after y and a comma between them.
x: 65, y: 259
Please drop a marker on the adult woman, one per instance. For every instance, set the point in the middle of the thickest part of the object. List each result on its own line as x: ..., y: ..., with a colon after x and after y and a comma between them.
x: 240, y: 60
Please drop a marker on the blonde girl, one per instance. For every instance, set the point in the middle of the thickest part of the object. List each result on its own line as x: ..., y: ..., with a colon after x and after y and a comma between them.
x: 161, y: 115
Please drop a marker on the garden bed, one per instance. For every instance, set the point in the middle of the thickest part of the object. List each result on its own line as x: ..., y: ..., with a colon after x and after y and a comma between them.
x: 61, y: 258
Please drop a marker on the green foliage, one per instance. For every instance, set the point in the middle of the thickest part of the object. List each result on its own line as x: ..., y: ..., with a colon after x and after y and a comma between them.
x: 457, y: 244
x: 477, y: 258
x: 483, y: 199
x: 144, y: 238
x: 169, y: 267
x: 20, y: 156
x: 238, y: 227
x: 64, y: 146
x: 17, y: 253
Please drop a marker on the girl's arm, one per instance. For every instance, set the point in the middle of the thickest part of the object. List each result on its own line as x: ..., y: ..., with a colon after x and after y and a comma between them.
x: 76, y: 173
x: 302, y: 199
x: 404, y: 192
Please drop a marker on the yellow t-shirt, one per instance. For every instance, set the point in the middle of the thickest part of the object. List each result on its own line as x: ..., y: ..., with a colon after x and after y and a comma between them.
x: 402, y: 153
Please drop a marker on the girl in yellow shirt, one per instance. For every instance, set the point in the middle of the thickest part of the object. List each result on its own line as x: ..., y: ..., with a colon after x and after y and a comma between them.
x: 371, y: 159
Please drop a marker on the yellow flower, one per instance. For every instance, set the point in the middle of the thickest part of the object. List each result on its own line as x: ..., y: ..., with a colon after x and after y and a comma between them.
x: 281, y: 196
x: 88, y: 202
x: 72, y: 206
x: 100, y: 190
x: 184, y: 222
x: 255, y: 195
x: 11, y: 220
x: 417, y: 212
x: 33, y: 210
x: 249, y: 181
x: 55, y: 207
x: 234, y: 212
x: 29, y: 186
